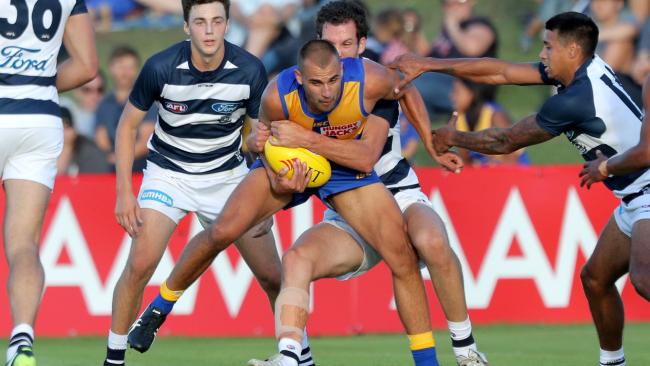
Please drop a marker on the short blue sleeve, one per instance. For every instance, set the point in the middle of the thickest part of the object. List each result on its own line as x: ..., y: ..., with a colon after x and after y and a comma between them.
x: 258, y: 84
x: 79, y: 7
x: 565, y: 111
x: 148, y: 86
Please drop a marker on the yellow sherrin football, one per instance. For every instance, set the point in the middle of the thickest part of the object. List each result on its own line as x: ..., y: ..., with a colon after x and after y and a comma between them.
x: 280, y: 157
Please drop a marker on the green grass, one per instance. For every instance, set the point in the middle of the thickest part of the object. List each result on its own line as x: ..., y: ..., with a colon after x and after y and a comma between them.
x: 505, y: 345
x: 507, y: 15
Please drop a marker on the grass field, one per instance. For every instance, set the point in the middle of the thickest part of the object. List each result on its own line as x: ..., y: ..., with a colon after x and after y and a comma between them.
x: 529, y: 345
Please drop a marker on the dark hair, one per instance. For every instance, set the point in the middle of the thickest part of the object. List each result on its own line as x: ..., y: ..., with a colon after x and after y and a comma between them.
x: 317, y: 50
x: 340, y: 12
x: 575, y: 27
x: 188, y: 4
x: 123, y: 51
x: 481, y: 94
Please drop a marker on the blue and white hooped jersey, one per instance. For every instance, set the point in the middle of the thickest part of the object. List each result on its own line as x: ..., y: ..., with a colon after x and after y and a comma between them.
x: 201, y: 114
x: 595, y: 113
x: 31, y: 33
x: 392, y: 168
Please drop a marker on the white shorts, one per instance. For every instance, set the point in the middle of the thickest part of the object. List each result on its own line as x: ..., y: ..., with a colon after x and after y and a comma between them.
x: 174, y: 194
x: 627, y: 214
x: 30, y: 153
x: 371, y: 257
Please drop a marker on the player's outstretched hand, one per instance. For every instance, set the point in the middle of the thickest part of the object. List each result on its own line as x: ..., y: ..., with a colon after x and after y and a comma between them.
x: 450, y: 161
x: 257, y: 138
x: 411, y: 65
x: 288, y: 134
x: 127, y: 213
x: 442, y: 136
x: 594, y: 171
x: 281, y: 184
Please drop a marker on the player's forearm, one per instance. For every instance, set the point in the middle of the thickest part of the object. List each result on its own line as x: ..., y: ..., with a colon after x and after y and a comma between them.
x: 491, y: 141
x: 416, y: 112
x: 635, y: 159
x: 353, y: 154
x: 480, y: 70
x: 125, y: 141
x: 74, y: 73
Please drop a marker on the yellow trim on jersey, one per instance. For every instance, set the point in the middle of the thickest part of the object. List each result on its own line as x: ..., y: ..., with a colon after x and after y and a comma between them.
x: 484, y: 120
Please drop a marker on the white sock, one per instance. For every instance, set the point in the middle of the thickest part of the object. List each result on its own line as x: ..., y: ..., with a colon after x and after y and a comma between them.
x: 461, y: 337
x: 21, y: 335
x: 291, y: 350
x: 305, y: 355
x: 615, y: 358
x: 116, y: 341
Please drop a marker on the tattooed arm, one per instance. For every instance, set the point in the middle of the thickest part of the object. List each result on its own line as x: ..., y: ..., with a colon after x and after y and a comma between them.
x: 491, y: 141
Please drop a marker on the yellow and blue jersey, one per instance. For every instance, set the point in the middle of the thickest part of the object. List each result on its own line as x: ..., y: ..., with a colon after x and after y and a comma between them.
x: 345, y: 121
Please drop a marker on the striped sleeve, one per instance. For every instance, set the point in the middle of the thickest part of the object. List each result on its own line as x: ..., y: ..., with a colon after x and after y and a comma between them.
x: 148, y: 87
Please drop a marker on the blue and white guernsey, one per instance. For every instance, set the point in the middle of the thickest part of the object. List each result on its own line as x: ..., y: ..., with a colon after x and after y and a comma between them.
x: 201, y: 114
x: 392, y: 168
x: 595, y: 113
x: 31, y: 33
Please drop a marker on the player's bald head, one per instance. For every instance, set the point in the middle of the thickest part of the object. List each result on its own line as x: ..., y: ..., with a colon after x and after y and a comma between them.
x: 318, y: 52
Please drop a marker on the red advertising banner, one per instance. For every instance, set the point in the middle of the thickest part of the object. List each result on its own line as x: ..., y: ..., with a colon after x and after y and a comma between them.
x: 521, y: 233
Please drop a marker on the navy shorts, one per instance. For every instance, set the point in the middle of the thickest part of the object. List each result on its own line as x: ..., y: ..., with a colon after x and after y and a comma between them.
x: 342, y: 179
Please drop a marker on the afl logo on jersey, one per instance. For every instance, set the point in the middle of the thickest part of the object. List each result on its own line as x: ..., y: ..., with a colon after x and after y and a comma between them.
x: 175, y: 107
x: 225, y: 108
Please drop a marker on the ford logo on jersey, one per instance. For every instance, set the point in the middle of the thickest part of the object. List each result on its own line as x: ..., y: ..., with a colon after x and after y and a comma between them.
x: 225, y: 108
x: 176, y: 107
x: 16, y: 58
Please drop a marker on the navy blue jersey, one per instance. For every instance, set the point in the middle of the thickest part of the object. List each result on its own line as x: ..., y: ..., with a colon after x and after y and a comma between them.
x: 200, y: 114
x: 595, y: 113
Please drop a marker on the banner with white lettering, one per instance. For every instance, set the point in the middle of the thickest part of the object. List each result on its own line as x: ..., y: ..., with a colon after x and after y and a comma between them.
x: 521, y: 234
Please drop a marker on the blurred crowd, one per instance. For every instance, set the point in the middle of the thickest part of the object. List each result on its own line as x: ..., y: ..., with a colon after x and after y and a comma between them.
x: 273, y: 30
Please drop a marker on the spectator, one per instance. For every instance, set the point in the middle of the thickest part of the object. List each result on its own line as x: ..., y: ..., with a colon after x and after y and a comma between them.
x: 463, y: 35
x: 413, y: 36
x: 108, y: 12
x: 640, y: 9
x: 123, y: 66
x: 374, y: 48
x: 389, y: 30
x: 642, y: 64
x: 80, y: 155
x: 260, y: 23
x: 547, y: 9
x: 84, y: 105
x: 283, y: 54
x: 617, y: 31
x: 476, y: 113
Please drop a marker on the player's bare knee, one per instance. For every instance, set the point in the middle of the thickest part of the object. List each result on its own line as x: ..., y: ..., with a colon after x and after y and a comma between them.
x: 139, y: 269
x: 433, y: 248
x: 403, y: 262
x: 220, y: 235
x: 23, y: 255
x: 590, y: 282
x: 296, y: 265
